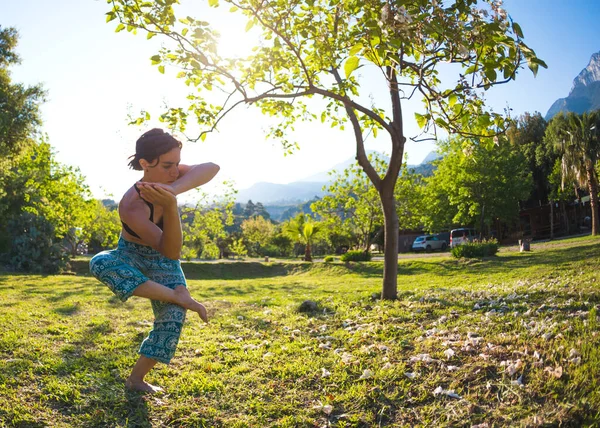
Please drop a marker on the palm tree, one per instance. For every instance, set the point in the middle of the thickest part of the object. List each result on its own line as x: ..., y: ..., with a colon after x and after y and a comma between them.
x: 302, y: 229
x: 578, y: 138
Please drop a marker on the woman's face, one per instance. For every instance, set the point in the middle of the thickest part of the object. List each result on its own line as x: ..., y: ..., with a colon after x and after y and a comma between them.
x: 166, y: 170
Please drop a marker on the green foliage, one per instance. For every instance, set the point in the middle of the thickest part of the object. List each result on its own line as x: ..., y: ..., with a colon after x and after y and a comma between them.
x: 34, y: 247
x: 304, y: 230
x: 527, y: 135
x: 238, y: 248
x: 352, y: 206
x: 19, y: 116
x: 203, y: 226
x: 356, y: 256
x: 475, y: 183
x: 577, y: 138
x: 210, y: 251
x: 257, y: 233
x: 103, y: 231
x: 475, y: 249
x: 328, y: 259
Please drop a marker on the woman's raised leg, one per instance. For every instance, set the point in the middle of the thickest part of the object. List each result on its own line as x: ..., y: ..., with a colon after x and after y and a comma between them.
x: 180, y: 296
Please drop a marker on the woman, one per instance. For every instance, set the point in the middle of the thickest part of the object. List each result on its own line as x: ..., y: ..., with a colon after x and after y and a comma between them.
x: 146, y: 261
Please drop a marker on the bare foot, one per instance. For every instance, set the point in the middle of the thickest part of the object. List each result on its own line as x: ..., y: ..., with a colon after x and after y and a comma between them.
x: 142, y: 386
x: 187, y: 301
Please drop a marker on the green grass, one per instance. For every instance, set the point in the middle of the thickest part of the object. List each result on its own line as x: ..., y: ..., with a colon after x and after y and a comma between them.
x: 66, y: 345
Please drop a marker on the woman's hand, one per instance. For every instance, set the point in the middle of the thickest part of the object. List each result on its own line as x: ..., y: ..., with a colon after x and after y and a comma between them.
x: 157, y: 194
x: 167, y: 187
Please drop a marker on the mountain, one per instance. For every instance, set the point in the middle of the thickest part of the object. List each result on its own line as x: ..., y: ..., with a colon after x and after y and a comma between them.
x: 585, y: 93
x: 305, y: 189
x: 282, y: 194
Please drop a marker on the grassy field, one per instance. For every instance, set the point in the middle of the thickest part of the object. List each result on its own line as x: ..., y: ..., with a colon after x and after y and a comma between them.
x: 508, y: 341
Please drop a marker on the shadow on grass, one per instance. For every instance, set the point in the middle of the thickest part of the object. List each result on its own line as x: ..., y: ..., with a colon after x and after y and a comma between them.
x: 107, y: 401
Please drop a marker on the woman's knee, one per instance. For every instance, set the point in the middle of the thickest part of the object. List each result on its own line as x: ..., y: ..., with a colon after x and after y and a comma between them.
x: 100, y: 262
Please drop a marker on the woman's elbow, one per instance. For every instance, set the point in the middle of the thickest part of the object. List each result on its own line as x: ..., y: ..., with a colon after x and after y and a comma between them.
x: 214, y: 168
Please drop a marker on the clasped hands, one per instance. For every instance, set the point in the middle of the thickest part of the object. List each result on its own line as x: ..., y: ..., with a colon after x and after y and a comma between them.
x: 157, y: 193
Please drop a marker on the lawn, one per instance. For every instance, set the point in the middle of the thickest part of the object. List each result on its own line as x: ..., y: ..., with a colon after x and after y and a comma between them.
x: 511, y: 340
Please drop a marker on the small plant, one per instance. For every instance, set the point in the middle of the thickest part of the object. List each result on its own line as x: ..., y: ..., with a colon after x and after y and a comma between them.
x: 356, y: 256
x: 469, y: 250
x: 329, y: 259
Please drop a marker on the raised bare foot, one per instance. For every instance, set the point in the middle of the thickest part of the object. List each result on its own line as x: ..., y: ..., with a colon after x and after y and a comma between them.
x: 187, y: 301
x: 142, y: 386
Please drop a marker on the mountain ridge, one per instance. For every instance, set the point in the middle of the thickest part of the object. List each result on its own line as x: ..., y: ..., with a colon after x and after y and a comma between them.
x: 584, y: 94
x: 307, y: 188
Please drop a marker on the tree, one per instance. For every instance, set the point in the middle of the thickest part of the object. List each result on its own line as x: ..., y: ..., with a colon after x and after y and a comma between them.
x: 352, y: 203
x: 104, y: 228
x: 19, y: 105
x: 527, y: 134
x: 313, y: 48
x: 304, y: 230
x: 578, y: 139
x: 203, y: 226
x: 475, y: 185
x: 257, y: 233
x: 352, y: 206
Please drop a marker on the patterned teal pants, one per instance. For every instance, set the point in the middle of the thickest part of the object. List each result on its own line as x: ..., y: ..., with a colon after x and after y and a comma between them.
x: 130, y: 265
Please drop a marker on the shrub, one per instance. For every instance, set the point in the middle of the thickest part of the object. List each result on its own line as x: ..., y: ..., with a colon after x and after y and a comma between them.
x: 476, y: 249
x: 356, y: 256
x: 329, y: 259
x: 211, y: 251
x: 35, y: 247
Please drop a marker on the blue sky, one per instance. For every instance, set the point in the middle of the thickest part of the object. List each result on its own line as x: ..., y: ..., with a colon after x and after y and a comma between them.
x: 95, y: 77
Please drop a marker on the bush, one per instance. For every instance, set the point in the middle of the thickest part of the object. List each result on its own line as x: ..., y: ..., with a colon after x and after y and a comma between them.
x: 329, y: 259
x: 35, y: 247
x: 469, y: 250
x: 356, y: 256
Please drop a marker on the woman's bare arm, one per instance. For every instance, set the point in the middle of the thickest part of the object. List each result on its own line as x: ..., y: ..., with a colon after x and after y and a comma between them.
x: 193, y: 176
x: 167, y: 241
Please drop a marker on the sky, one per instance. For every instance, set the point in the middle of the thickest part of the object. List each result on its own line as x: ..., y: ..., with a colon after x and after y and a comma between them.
x: 95, y: 78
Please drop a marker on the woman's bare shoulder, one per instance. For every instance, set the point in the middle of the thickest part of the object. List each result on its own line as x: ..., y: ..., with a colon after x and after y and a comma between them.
x: 131, y: 203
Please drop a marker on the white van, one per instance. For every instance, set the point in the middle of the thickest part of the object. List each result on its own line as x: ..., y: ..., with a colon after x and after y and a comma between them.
x: 462, y: 235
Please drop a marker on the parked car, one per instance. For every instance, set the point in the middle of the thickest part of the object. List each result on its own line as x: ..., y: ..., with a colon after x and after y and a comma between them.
x: 461, y: 236
x: 429, y: 243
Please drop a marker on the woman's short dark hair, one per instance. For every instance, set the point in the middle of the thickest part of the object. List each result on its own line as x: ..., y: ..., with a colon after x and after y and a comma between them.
x: 151, y: 145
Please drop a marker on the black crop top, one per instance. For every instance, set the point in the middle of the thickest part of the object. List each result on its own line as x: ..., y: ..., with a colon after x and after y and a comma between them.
x: 151, y: 206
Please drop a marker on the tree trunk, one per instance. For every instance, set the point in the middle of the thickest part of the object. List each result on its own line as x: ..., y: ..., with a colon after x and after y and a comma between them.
x: 307, y: 254
x: 481, y: 222
x: 551, y: 219
x: 391, y: 227
x: 563, y: 208
x: 593, y: 188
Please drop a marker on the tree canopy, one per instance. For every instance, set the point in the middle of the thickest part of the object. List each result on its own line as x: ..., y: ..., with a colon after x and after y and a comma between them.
x: 314, y: 48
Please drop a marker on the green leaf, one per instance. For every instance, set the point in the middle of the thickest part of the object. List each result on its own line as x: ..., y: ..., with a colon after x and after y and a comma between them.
x: 249, y: 25
x: 490, y: 73
x: 213, y: 3
x: 110, y: 16
x: 150, y: 35
x: 184, y: 32
x: 203, y: 137
x: 356, y: 49
x: 452, y: 100
x: 155, y: 59
x: 351, y: 65
x: 161, y: 68
x: 120, y: 27
x: 517, y: 29
x: 147, y: 116
x: 421, y: 120
x: 233, y: 9
x: 181, y: 74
